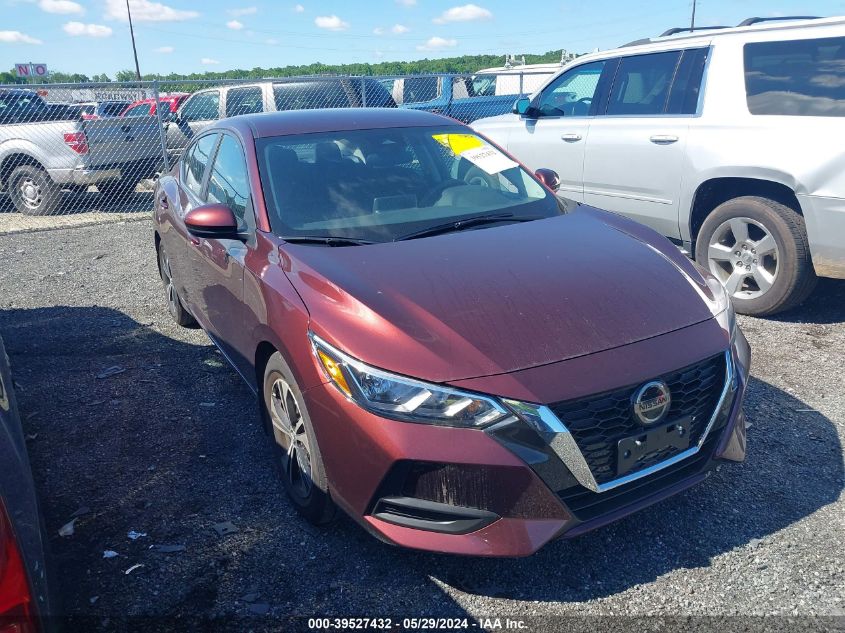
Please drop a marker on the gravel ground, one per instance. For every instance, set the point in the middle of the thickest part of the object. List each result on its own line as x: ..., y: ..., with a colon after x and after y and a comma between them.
x: 171, y: 446
x: 79, y: 209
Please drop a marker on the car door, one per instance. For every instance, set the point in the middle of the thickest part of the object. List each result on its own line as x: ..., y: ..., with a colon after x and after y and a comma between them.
x: 635, y: 151
x: 218, y: 264
x: 198, y: 112
x: 188, y: 194
x: 553, y: 132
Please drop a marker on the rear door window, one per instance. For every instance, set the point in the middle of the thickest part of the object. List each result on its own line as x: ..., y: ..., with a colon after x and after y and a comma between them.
x: 244, y: 101
x: 303, y: 95
x: 683, y: 97
x: 195, y: 162
x: 641, y: 85
x: 796, y: 77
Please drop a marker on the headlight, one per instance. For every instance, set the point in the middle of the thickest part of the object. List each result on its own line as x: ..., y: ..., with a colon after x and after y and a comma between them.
x: 724, y: 309
x: 400, y: 398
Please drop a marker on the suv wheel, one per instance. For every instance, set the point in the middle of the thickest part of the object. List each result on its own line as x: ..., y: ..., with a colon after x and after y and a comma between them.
x: 758, y: 249
x: 297, y: 454
x: 32, y: 190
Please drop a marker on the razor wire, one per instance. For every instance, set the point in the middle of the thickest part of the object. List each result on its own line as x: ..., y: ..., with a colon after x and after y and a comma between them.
x: 99, y: 147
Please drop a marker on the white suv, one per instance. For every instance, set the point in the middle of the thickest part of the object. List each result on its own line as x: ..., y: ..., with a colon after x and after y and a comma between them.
x: 730, y: 142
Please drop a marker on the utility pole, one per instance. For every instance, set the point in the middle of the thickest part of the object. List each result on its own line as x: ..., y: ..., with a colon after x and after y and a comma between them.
x: 691, y: 25
x: 135, y: 50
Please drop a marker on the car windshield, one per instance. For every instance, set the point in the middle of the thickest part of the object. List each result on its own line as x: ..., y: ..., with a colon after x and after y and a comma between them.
x: 381, y: 185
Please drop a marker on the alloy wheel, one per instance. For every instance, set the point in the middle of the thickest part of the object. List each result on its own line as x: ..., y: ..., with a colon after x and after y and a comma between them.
x: 290, y: 433
x: 170, y: 289
x: 744, y: 256
x: 30, y: 192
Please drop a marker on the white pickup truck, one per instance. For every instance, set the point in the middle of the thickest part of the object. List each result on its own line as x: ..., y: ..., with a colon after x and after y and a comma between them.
x: 44, y: 149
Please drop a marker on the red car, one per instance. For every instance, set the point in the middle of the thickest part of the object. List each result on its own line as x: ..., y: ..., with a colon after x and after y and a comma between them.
x: 147, y: 107
x: 442, y: 347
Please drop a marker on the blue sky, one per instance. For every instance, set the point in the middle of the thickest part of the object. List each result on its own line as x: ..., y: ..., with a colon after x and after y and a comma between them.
x: 92, y: 36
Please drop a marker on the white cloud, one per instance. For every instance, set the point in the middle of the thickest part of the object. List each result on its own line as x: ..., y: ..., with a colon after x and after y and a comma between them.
x: 146, y: 11
x: 407, y: 3
x: 298, y: 8
x: 378, y: 31
x: 164, y: 49
x: 378, y: 54
x: 272, y: 41
x: 243, y: 11
x: 465, y: 13
x: 235, y: 25
x: 78, y: 29
x: 437, y: 43
x: 16, y: 37
x: 207, y: 61
x: 399, y: 29
x: 63, y: 7
x: 331, y: 23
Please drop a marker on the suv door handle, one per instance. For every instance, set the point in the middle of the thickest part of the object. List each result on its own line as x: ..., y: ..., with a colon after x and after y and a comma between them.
x: 570, y: 138
x: 663, y: 139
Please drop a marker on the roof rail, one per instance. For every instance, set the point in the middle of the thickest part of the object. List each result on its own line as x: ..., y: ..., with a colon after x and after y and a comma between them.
x: 750, y: 21
x: 687, y: 29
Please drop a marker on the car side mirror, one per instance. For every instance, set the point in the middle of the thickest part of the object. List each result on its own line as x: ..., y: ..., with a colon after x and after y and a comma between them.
x: 549, y: 178
x: 522, y: 106
x: 215, y: 221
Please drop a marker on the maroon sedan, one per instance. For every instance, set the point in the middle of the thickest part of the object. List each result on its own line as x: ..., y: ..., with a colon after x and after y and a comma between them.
x: 443, y: 348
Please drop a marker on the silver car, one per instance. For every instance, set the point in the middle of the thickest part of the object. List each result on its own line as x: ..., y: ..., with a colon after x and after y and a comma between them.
x: 726, y: 140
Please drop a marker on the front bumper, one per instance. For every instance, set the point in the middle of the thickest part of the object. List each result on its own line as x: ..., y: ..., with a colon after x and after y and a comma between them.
x: 423, y: 486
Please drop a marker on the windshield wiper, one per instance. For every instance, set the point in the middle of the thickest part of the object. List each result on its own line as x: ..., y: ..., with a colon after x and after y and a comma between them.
x: 325, y: 239
x: 460, y: 225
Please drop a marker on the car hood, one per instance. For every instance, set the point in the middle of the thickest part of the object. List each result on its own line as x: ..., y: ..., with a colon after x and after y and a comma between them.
x: 500, y: 299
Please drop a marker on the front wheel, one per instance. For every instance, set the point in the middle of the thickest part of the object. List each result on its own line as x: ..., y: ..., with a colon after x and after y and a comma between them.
x: 758, y: 249
x: 297, y: 454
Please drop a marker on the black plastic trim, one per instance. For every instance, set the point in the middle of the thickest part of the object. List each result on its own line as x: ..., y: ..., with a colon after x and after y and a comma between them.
x: 432, y: 516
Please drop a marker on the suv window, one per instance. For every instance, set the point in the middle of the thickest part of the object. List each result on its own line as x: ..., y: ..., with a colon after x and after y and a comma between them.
x: 683, y: 98
x: 572, y: 93
x: 641, y: 84
x: 228, y: 183
x: 204, y: 106
x: 420, y: 89
x: 244, y: 101
x: 307, y: 95
x: 796, y: 77
x: 193, y: 166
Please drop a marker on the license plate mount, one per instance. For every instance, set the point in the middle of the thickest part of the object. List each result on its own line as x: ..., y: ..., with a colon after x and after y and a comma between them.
x: 633, y: 450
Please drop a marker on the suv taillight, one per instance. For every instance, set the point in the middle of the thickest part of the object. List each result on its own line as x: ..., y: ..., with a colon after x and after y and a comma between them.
x: 77, y: 141
x: 17, y: 608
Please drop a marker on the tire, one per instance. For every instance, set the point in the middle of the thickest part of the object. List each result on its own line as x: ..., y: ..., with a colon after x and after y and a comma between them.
x: 301, y: 469
x: 33, y: 192
x: 177, y: 310
x: 758, y: 248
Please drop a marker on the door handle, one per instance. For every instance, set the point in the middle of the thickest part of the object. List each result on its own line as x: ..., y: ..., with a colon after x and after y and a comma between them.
x: 571, y: 137
x: 663, y: 139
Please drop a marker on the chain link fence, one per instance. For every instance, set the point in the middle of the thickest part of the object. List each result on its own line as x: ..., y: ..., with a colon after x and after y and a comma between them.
x: 95, y: 150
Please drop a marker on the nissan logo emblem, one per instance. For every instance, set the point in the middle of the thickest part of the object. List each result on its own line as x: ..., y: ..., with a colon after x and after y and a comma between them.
x: 652, y: 402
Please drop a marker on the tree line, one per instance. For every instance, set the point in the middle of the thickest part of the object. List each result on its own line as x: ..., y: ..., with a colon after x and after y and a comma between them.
x: 462, y: 64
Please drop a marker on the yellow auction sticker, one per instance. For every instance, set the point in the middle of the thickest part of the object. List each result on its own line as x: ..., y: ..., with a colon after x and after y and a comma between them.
x: 458, y: 143
x: 475, y: 150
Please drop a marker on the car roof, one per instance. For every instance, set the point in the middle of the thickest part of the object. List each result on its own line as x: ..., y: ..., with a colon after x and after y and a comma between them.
x: 332, y: 119
x: 707, y: 36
